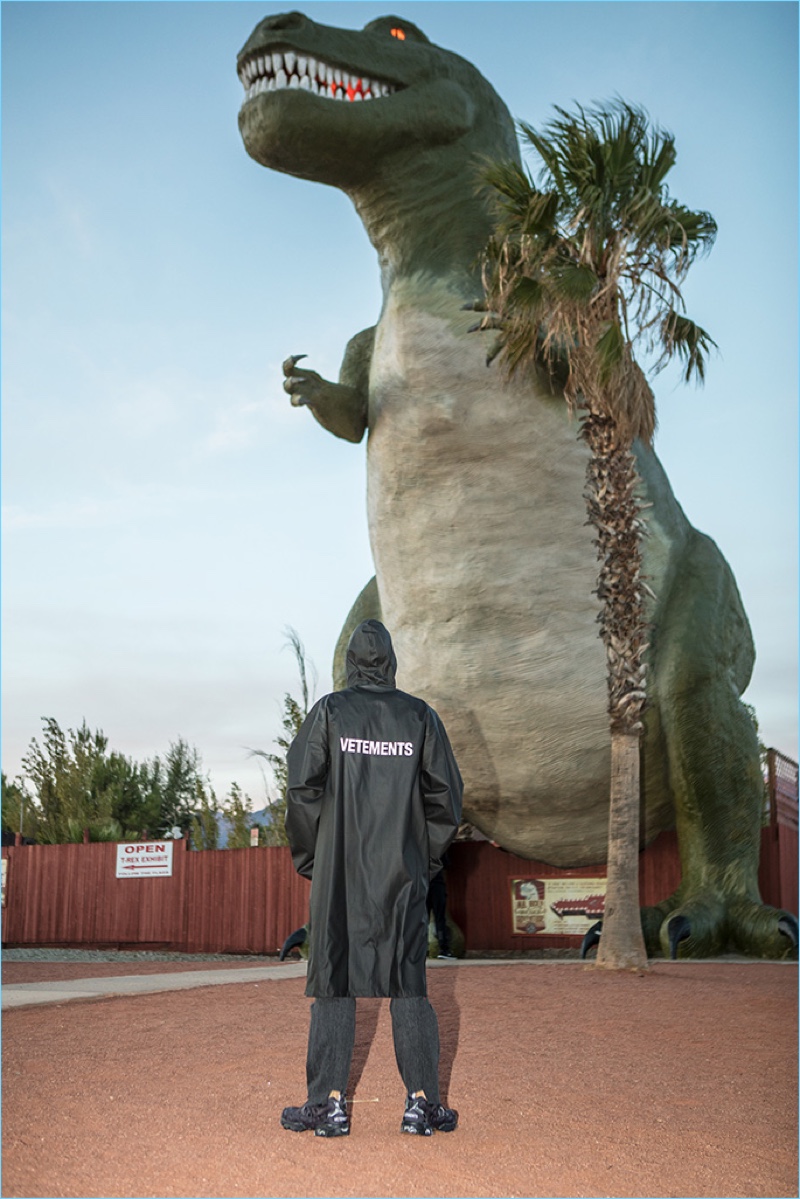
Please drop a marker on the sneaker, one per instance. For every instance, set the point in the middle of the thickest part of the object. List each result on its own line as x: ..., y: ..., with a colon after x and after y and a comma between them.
x: 442, y: 1119
x: 415, y: 1117
x: 422, y: 1118
x: 336, y: 1122
x: 450, y: 957
x: 303, y: 1119
x: 327, y: 1119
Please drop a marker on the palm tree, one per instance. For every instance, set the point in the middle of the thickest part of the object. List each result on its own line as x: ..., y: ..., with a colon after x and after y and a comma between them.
x: 582, y: 270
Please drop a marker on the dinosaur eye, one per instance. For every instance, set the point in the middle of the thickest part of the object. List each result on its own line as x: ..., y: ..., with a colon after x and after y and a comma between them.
x: 402, y: 30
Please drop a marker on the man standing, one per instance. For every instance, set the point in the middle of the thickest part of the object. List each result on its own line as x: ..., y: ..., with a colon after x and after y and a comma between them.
x: 437, y: 907
x: 373, y: 802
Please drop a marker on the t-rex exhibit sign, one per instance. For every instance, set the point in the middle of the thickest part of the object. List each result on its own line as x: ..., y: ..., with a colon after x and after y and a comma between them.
x: 484, y: 567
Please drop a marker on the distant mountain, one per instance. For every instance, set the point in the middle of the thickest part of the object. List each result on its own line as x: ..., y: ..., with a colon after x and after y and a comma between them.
x: 264, y: 817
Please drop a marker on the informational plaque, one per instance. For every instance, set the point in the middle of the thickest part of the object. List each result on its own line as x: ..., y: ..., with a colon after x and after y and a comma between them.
x: 562, y: 907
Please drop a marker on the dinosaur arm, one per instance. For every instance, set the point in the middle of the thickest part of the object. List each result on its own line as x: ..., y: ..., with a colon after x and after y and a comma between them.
x: 341, y: 407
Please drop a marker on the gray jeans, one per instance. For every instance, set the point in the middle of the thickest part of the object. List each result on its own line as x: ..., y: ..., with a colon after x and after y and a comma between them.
x: 332, y: 1035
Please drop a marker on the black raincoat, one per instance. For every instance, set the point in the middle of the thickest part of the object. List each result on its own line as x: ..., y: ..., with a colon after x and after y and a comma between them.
x: 373, y: 801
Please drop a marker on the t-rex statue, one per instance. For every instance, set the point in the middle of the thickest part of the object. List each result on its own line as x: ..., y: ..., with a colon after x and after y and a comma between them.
x: 484, y: 566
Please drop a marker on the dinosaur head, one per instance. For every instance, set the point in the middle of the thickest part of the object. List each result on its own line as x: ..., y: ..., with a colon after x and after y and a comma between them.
x: 332, y: 105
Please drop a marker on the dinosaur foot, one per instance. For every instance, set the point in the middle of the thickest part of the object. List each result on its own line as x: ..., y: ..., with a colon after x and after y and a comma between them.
x: 706, y: 925
x: 761, y: 931
x: 591, y: 938
x: 678, y: 929
x: 295, y: 940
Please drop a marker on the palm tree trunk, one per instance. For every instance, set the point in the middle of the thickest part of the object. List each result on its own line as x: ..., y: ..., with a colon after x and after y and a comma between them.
x: 622, y: 942
x: 614, y: 510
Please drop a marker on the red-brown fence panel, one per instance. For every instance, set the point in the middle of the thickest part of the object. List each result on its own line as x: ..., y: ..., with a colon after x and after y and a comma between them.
x: 69, y: 894
x: 777, y: 875
x: 243, y: 900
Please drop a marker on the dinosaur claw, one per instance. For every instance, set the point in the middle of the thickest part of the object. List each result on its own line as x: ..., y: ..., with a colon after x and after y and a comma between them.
x: 294, y: 941
x: 678, y: 930
x: 591, y: 937
x: 289, y: 363
x: 787, y: 924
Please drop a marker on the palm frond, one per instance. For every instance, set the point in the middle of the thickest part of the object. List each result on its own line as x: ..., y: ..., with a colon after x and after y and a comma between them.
x: 695, y: 232
x: 506, y: 177
x: 691, y: 343
x: 610, y: 350
x: 526, y: 293
x: 573, y: 281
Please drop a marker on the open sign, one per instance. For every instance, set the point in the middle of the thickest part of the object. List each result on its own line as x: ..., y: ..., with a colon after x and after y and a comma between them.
x: 139, y: 859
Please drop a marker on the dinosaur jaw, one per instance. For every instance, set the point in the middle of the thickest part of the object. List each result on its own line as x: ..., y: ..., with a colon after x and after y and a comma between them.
x: 283, y: 68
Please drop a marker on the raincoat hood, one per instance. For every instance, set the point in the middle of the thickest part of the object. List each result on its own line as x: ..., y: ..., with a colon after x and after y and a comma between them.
x: 371, y: 660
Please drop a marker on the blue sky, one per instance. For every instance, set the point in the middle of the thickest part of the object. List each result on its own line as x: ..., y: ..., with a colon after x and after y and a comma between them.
x: 166, y: 513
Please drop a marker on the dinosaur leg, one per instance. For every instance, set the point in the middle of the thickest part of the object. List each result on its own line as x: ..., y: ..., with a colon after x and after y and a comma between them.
x: 366, y: 607
x: 704, y: 662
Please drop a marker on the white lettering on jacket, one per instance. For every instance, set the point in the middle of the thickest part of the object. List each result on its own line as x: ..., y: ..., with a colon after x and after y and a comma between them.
x: 395, y: 749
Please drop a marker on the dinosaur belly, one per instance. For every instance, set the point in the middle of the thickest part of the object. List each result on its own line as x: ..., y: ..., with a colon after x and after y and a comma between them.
x: 485, y: 569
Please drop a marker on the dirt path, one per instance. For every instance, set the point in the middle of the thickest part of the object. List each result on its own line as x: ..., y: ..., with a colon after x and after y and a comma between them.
x: 570, y: 1082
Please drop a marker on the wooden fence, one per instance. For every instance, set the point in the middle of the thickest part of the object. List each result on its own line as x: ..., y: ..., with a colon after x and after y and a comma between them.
x: 249, y: 900
x: 777, y: 876
x: 219, y: 901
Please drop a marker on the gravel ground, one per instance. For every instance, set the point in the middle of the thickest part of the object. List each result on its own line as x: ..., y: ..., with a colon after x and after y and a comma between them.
x: 88, y: 956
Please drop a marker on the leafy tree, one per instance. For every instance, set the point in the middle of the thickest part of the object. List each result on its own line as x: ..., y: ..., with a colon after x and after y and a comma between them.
x: 236, y: 810
x: 19, y: 813
x: 583, y: 269
x: 77, y: 783
x: 70, y: 788
x: 180, y: 784
x: 203, y: 826
x: 135, y: 803
x: 294, y: 713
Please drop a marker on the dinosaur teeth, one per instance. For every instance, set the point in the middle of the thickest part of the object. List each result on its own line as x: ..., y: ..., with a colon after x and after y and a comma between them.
x: 282, y: 69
